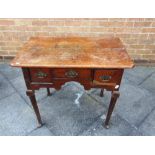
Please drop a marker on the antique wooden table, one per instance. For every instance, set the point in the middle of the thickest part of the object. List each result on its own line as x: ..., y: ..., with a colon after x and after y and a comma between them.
x: 93, y: 62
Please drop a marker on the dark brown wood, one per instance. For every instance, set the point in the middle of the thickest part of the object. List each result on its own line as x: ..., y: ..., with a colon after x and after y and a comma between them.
x: 95, y: 63
x: 48, y: 92
x: 102, y: 92
x: 27, y: 77
x: 31, y: 95
x: 66, y: 73
x: 108, y: 75
x: 114, y: 96
x: 40, y: 75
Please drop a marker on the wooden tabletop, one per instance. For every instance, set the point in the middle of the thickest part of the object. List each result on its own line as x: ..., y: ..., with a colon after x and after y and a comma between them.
x: 73, y: 52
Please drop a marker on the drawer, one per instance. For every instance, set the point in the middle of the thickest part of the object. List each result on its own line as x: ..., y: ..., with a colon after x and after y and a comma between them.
x: 108, y: 75
x: 83, y: 74
x: 40, y: 75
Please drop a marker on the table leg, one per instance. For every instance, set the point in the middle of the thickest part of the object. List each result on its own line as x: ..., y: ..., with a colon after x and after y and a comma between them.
x: 115, y: 95
x: 48, y: 92
x: 31, y: 95
x: 102, y: 92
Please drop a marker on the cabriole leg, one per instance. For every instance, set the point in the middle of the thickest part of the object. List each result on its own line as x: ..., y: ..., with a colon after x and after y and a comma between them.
x: 102, y: 92
x: 115, y: 95
x: 31, y: 95
x: 48, y: 92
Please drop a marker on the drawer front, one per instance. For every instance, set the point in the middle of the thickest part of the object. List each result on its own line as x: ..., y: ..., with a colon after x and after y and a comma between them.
x: 83, y: 74
x: 108, y: 75
x: 40, y: 75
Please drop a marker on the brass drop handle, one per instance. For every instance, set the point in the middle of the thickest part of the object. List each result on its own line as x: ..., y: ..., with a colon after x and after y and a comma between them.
x: 41, y: 75
x: 71, y: 74
x: 105, y: 77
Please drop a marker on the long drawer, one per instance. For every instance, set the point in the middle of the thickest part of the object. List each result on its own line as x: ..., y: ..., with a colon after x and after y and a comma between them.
x: 49, y: 75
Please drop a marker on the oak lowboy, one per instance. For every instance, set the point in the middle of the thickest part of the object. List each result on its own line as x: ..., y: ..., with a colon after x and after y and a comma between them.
x: 93, y: 62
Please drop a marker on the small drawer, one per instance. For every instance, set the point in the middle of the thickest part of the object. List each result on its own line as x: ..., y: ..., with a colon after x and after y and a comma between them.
x: 108, y: 75
x: 83, y: 74
x: 40, y: 75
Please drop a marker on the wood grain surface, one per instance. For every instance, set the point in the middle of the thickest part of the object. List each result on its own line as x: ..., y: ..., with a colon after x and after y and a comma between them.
x: 73, y: 52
